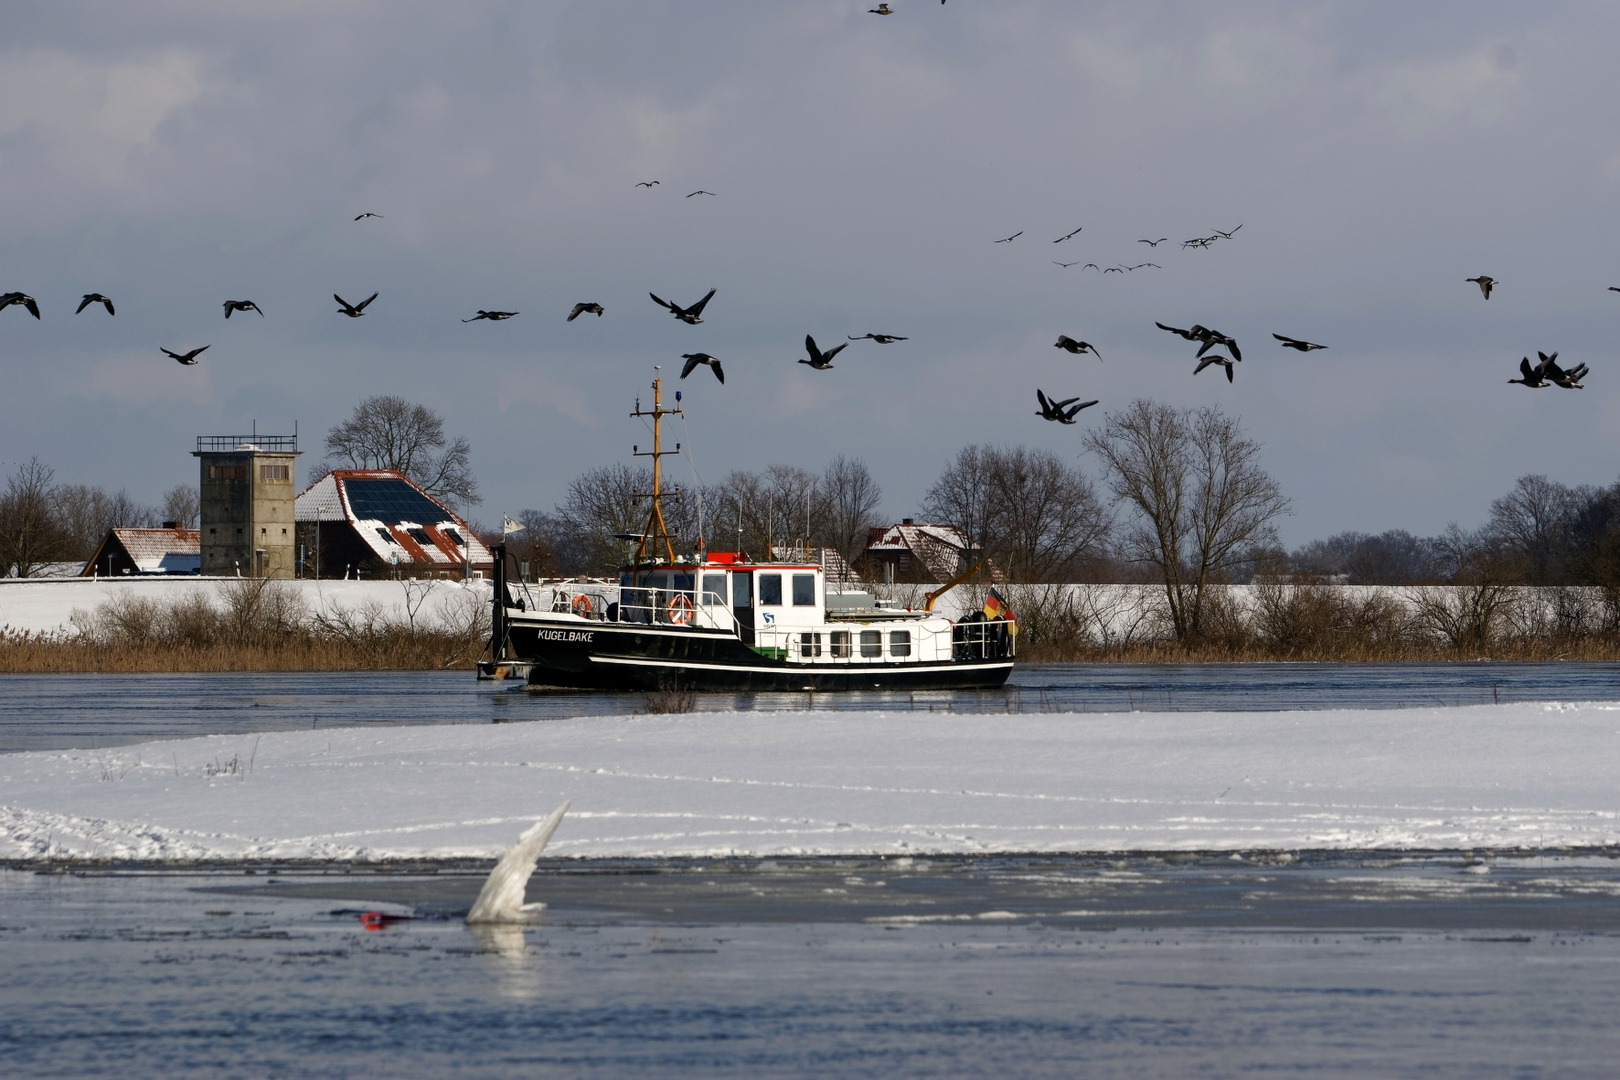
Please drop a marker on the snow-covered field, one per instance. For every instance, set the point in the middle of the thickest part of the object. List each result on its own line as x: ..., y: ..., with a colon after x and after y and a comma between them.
x: 1522, y: 775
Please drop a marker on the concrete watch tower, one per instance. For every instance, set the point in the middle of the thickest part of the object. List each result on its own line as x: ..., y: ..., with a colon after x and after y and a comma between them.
x: 247, y: 496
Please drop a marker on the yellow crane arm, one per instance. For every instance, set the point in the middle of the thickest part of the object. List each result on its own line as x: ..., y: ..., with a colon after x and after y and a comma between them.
x: 951, y: 584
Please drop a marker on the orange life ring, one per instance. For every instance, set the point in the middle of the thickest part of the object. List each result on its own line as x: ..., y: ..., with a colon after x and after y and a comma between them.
x: 680, y: 609
x: 582, y: 606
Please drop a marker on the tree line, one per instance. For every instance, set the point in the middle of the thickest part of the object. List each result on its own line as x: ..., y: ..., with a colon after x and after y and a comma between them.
x: 44, y: 522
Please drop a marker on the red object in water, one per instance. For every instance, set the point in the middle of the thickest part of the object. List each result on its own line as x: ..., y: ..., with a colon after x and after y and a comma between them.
x: 376, y: 920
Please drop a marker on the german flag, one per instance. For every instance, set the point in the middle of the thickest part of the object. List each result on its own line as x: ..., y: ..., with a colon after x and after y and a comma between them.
x: 996, y: 608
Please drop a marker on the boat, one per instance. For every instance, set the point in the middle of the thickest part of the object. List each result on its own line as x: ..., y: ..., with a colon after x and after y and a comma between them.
x: 720, y: 620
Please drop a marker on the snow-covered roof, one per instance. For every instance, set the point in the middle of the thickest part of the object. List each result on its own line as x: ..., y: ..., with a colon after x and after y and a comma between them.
x: 940, y: 548
x: 396, y: 519
x: 153, y: 551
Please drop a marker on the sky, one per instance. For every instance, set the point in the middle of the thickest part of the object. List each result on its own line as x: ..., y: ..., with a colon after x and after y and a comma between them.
x: 174, y: 155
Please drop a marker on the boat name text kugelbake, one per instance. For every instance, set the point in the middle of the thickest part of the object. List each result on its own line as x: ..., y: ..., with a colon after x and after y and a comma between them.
x: 566, y: 635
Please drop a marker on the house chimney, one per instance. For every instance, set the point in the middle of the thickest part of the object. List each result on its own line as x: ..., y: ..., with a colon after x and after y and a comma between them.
x: 171, y: 524
x: 905, y: 521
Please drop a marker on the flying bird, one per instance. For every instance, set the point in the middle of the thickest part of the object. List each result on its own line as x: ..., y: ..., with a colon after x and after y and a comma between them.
x: 1533, y: 376
x: 492, y: 316
x: 1195, y: 334
x: 1010, y: 239
x: 367, y: 214
x: 241, y: 305
x: 581, y: 309
x: 185, y: 358
x: 1154, y: 243
x: 1065, y: 265
x: 353, y: 311
x: 1224, y: 235
x: 881, y: 9
x: 1139, y: 266
x: 696, y: 358
x: 1069, y: 345
x: 1060, y: 411
x: 1076, y: 232
x: 1114, y: 270
x: 7, y: 299
x: 819, y: 360
x: 689, y: 315
x: 1485, y: 283
x: 95, y: 298
x: 1569, y: 380
x: 1212, y: 338
x: 1613, y: 289
x: 700, y: 191
x: 1295, y: 343
x: 649, y: 183
x: 881, y: 339
x: 1213, y: 359
x: 1090, y: 266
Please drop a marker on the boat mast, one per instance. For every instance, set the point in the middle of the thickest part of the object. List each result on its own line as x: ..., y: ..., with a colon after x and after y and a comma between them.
x: 656, y: 530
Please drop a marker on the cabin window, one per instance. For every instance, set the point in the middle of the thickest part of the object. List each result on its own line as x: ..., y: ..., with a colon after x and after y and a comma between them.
x: 840, y: 643
x: 809, y: 644
x: 804, y: 590
x: 714, y: 588
x: 770, y: 589
x: 871, y: 643
x: 741, y: 589
x: 900, y: 643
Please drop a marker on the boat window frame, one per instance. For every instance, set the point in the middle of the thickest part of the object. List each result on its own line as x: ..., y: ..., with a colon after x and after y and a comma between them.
x: 871, y: 643
x: 809, y: 644
x: 710, y: 596
x: 900, y: 643
x: 773, y: 580
x: 838, y: 645
x: 808, y: 581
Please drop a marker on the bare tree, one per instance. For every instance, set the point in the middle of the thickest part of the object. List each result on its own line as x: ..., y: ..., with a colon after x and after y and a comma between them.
x: 850, y: 507
x: 30, y: 533
x: 1201, y: 499
x: 388, y: 432
x: 1533, y: 522
x: 1037, y: 518
x: 85, y: 514
x: 182, y: 504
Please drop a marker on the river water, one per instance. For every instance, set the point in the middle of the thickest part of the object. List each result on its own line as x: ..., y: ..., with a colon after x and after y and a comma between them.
x: 43, y: 712
x: 1448, y: 964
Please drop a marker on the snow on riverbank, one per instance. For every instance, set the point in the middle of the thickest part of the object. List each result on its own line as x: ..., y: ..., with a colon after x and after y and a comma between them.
x: 906, y: 783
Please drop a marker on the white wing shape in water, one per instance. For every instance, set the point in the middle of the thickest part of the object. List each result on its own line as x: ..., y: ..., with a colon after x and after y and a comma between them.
x: 501, y: 899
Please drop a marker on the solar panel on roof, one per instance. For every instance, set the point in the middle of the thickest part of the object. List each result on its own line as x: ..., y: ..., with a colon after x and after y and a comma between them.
x: 393, y: 501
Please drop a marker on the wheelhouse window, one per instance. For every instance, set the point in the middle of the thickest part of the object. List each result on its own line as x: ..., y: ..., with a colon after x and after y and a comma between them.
x: 871, y: 643
x: 741, y: 589
x: 770, y: 589
x: 839, y: 641
x: 714, y: 588
x: 809, y: 644
x: 683, y: 582
x: 804, y: 590
x: 900, y: 643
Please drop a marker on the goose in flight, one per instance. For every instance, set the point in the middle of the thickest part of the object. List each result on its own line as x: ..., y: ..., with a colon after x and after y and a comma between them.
x: 7, y: 299
x: 819, y: 360
x: 95, y: 298
x: 1065, y: 265
x: 1295, y: 343
x: 353, y: 311
x: 1010, y: 239
x: 1485, y: 283
x: 1224, y: 235
x: 492, y: 316
x: 1194, y: 334
x: 581, y: 309
x: 1569, y: 380
x: 881, y: 339
x: 1076, y: 232
x: 1211, y: 338
x: 241, y: 305
x: 696, y: 358
x: 1069, y: 345
x: 648, y: 184
x: 881, y: 9
x: 1214, y: 359
x: 1154, y: 243
x: 689, y: 315
x: 367, y: 214
x: 1060, y: 411
x: 1533, y: 376
x: 700, y: 191
x: 184, y: 358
